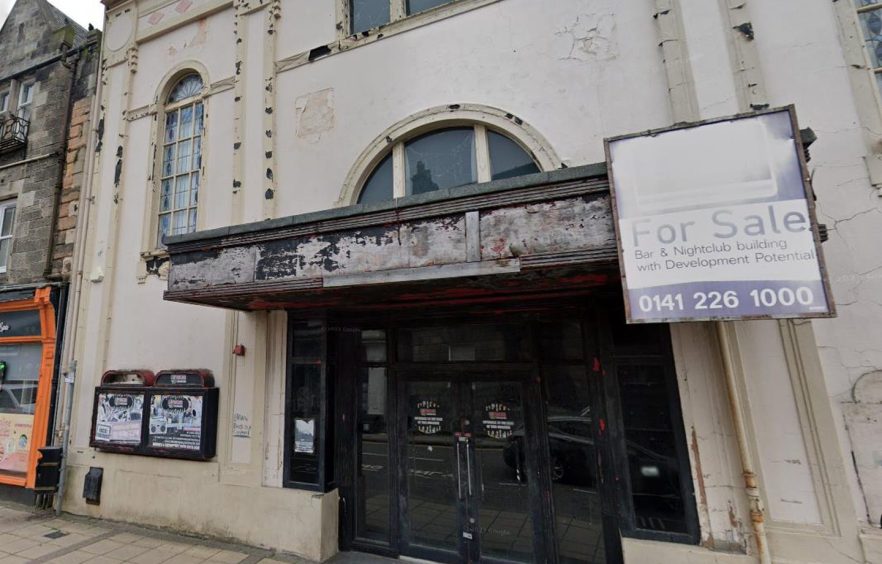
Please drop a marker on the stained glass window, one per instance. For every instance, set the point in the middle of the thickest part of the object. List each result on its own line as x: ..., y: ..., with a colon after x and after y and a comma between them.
x: 187, y: 87
x: 181, y: 158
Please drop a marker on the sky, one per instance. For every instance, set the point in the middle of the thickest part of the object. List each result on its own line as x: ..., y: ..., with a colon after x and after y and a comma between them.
x: 84, y: 12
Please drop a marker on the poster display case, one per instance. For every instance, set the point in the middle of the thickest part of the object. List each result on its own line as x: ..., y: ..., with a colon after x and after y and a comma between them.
x: 118, y: 415
x: 183, y: 415
x: 170, y: 414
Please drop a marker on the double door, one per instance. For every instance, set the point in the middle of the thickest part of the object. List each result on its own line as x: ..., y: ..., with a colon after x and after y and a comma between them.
x: 466, y: 464
x: 490, y: 456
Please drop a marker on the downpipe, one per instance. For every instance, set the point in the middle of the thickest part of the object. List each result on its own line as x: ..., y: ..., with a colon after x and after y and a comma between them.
x: 751, y: 483
x: 69, y: 378
x: 76, y: 287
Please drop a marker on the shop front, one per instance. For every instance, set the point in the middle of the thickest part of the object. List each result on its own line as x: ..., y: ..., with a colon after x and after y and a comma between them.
x: 534, y: 434
x: 27, y: 356
x: 459, y: 370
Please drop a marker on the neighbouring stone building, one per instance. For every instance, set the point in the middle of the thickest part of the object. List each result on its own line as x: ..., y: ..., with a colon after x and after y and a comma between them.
x: 48, y: 72
x: 372, y: 242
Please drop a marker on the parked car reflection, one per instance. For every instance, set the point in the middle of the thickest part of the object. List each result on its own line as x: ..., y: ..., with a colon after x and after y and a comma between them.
x: 18, y: 398
x: 573, y: 459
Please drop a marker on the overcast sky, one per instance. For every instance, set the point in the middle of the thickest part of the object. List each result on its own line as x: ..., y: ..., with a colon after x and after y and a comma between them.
x: 84, y: 12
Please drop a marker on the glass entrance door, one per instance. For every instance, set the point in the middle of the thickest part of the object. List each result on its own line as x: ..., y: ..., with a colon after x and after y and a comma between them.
x: 466, y: 497
x: 480, y: 443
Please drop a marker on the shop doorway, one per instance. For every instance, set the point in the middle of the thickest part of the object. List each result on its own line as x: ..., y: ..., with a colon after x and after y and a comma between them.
x: 467, y: 497
x: 530, y: 438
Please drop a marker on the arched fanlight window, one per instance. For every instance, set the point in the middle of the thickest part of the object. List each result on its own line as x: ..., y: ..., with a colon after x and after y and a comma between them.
x: 446, y: 158
x: 181, y: 157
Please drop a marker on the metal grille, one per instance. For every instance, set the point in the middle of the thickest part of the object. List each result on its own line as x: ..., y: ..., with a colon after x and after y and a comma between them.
x: 13, y: 132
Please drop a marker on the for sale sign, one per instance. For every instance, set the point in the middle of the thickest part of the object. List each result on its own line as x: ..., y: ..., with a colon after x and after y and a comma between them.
x: 715, y: 221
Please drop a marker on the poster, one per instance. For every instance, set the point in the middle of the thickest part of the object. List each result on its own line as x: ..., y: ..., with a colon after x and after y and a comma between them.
x: 15, y: 441
x: 304, y: 436
x: 427, y: 420
x: 175, y: 422
x: 498, y: 422
x: 713, y: 222
x: 118, y: 418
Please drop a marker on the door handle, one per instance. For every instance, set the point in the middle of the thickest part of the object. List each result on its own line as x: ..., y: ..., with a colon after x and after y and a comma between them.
x: 469, y: 465
x: 458, y: 471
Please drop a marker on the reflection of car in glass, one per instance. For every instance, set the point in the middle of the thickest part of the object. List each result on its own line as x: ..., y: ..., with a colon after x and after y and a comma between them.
x: 572, y: 451
x: 17, y: 398
x: 573, y: 459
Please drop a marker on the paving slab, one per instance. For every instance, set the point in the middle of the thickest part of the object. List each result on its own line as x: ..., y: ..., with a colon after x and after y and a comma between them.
x: 34, y: 536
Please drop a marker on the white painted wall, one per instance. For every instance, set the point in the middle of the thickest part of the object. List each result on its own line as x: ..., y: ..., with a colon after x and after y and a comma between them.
x: 575, y: 70
x: 809, y: 70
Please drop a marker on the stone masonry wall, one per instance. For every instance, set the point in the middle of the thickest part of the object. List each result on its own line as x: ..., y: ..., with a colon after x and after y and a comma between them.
x: 40, y: 170
x: 65, y: 228
x: 38, y: 46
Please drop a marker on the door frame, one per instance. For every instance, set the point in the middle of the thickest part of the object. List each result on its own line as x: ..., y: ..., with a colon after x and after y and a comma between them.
x: 545, y: 539
x: 461, y: 377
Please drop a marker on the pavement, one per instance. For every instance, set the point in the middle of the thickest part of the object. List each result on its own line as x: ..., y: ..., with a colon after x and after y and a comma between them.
x: 27, y: 535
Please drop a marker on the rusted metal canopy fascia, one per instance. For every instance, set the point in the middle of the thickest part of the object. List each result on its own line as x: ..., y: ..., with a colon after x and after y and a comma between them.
x: 589, y: 178
x: 555, y: 225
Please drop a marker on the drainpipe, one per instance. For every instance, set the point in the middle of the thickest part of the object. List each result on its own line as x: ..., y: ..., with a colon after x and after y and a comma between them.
x: 69, y: 378
x: 751, y: 483
x: 70, y: 344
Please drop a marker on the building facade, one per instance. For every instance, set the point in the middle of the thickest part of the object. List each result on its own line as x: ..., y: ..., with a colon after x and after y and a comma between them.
x: 48, y: 69
x: 383, y: 229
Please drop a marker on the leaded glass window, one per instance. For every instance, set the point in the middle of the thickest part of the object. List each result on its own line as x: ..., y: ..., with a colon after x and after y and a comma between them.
x: 181, y: 158
x: 446, y: 158
x: 870, y: 15
x: 187, y: 87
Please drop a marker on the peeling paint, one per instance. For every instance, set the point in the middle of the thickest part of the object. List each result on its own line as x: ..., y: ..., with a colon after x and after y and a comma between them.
x: 544, y: 227
x: 315, y: 114
x: 746, y: 30
x: 117, y: 172
x: 523, y: 231
x: 590, y: 37
x: 699, y: 479
x: 319, y: 52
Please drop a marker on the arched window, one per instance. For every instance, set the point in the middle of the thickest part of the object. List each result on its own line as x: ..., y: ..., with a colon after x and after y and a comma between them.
x: 446, y: 158
x: 181, y: 157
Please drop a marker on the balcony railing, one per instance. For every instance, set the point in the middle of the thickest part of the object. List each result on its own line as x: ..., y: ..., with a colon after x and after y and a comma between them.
x: 13, y: 132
